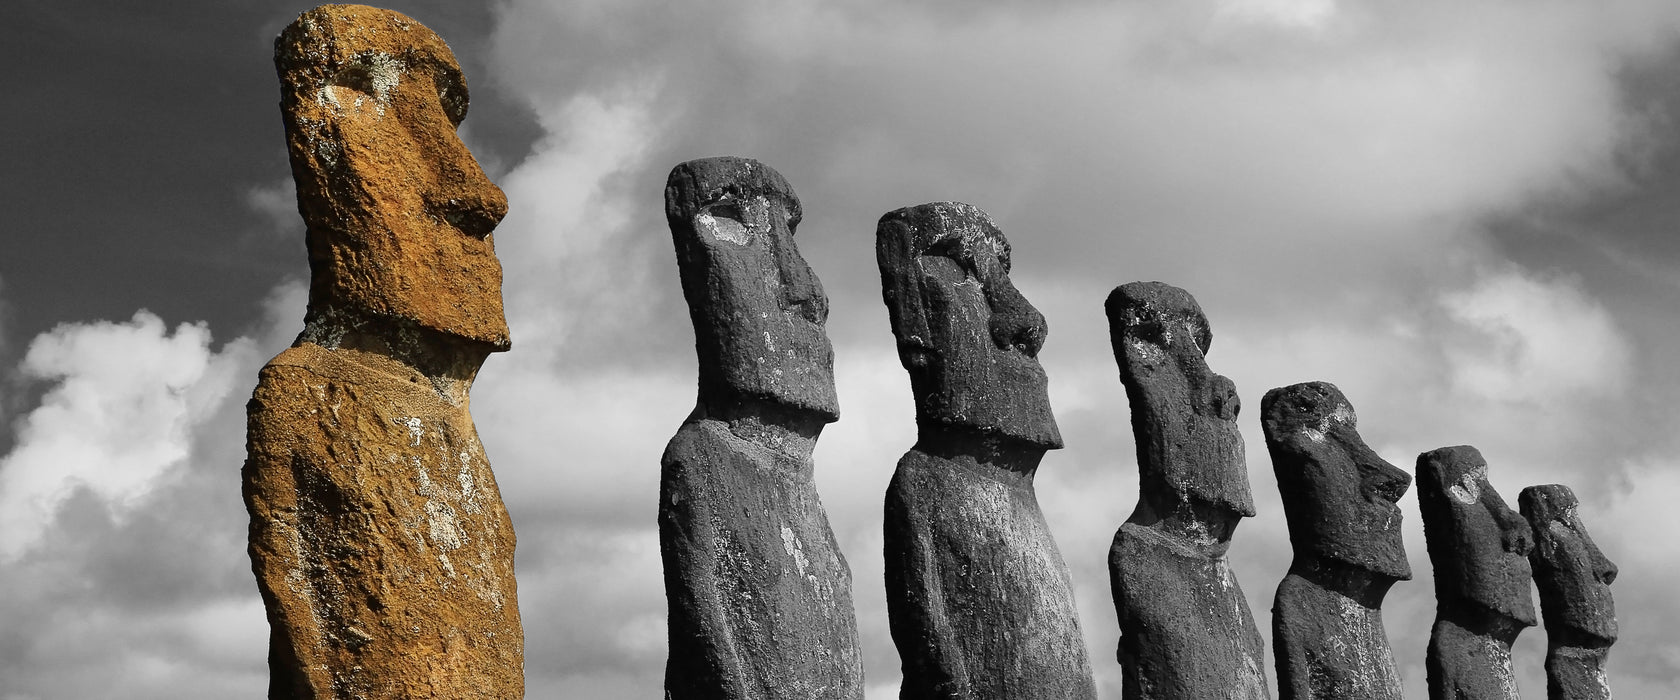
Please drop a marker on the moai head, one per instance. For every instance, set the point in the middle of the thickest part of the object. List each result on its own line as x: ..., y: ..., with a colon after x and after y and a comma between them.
x: 1573, y: 576
x: 1184, y: 416
x: 1477, y: 545
x: 1338, y: 495
x: 399, y: 213
x: 969, y: 340
x: 757, y: 308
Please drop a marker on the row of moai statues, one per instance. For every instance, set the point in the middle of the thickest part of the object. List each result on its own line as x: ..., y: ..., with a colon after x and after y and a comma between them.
x: 384, y: 554
x: 979, y: 600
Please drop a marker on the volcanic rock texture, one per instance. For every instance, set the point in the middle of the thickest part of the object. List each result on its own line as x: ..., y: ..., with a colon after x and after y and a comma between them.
x: 1574, y: 580
x: 979, y: 599
x: 378, y: 537
x: 1186, y: 632
x: 1479, y: 549
x: 1339, y: 498
x: 760, y: 598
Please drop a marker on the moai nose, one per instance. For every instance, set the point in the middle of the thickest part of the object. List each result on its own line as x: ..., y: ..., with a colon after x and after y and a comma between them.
x: 1015, y: 322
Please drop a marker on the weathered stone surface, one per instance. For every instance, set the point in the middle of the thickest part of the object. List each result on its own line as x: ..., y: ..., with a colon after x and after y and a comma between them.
x: 980, y: 602
x: 1574, y: 580
x: 1339, y: 498
x: 1185, y: 628
x: 1479, y: 549
x: 378, y: 537
x: 760, y: 598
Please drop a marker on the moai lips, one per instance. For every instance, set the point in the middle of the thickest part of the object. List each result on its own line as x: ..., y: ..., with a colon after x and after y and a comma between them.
x: 980, y: 602
x: 759, y: 596
x: 1339, y: 498
x: 1479, y: 549
x: 1574, y: 579
x: 378, y: 536
x: 1185, y: 628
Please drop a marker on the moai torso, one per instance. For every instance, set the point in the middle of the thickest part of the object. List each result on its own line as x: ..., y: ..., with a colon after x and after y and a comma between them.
x: 378, y: 537
x: 1186, y: 632
x: 1574, y: 580
x: 1479, y: 549
x: 759, y: 596
x: 1339, y: 498
x: 979, y: 599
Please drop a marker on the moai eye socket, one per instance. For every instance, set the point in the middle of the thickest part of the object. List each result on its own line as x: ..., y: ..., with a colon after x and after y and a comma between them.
x: 350, y: 87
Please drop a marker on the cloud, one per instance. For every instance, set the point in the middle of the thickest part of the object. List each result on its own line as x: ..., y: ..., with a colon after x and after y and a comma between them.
x: 125, y: 401
x: 1539, y: 340
x: 124, y: 535
x: 1315, y: 172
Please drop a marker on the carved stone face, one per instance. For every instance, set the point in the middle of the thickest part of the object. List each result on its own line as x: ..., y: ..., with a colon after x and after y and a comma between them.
x: 1183, y: 415
x: 968, y: 338
x: 1478, y: 545
x: 1573, y: 576
x: 1338, y: 495
x: 399, y: 213
x: 758, y: 309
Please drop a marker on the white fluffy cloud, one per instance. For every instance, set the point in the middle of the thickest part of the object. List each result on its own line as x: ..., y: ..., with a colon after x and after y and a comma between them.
x: 125, y: 402
x: 1536, y: 340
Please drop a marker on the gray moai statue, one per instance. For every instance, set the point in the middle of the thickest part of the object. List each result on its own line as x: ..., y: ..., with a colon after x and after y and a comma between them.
x: 760, y: 598
x: 1186, y: 632
x: 1479, y: 549
x: 1339, y: 497
x: 980, y: 602
x: 1574, y: 580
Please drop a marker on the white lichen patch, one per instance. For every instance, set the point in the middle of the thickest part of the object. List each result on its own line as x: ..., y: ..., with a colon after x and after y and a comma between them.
x: 370, y: 77
x: 416, y: 429
x: 443, y: 527
x: 790, y: 544
x: 1468, y: 488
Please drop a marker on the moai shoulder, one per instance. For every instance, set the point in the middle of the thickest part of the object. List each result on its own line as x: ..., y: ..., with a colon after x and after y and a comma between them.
x: 1479, y: 549
x: 759, y: 596
x: 1574, y: 579
x: 1185, y: 628
x: 378, y: 536
x: 1339, y: 498
x: 980, y: 602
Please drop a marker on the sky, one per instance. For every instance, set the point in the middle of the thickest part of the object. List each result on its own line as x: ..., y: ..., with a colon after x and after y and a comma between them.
x: 1461, y: 213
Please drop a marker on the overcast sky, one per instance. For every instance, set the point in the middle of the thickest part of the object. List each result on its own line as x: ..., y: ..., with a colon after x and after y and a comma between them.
x: 1462, y: 213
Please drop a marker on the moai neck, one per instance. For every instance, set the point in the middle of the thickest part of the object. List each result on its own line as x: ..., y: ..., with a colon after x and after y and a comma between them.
x: 398, y: 347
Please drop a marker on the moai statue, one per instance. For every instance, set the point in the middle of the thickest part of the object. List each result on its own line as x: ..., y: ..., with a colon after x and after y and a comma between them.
x: 1186, y: 632
x: 1479, y: 549
x: 1574, y: 580
x: 760, y: 598
x: 1339, y: 498
x: 979, y: 600
x: 378, y: 537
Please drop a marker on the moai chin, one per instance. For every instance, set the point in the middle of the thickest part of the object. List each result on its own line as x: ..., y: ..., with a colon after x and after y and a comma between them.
x: 979, y: 600
x: 378, y: 536
x: 1339, y: 498
x: 1185, y: 628
x: 1479, y: 549
x: 1574, y: 580
x: 759, y: 596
